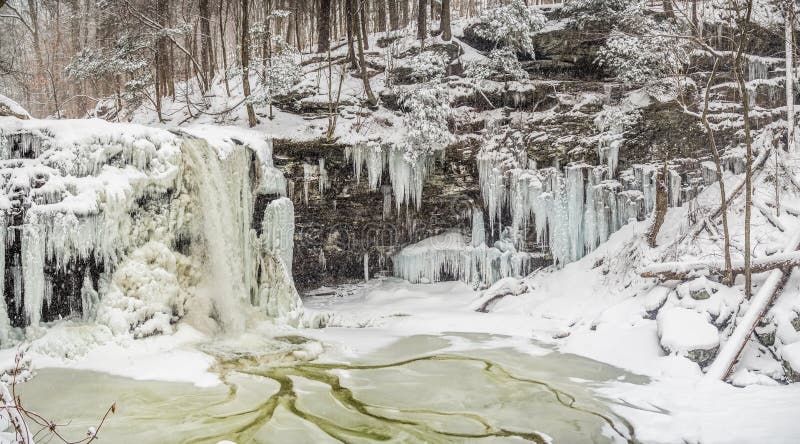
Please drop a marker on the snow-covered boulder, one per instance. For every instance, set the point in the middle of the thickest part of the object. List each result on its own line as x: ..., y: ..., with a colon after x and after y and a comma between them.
x: 509, y: 286
x: 11, y: 108
x: 687, y: 333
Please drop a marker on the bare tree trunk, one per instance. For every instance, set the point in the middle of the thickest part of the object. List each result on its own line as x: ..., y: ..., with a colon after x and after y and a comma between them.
x: 205, y: 43
x: 324, y: 26
x: 444, y: 25
x: 251, y: 114
x: 394, y: 19
x: 406, y: 10
x: 222, y: 43
x: 738, y: 62
x: 350, y: 20
x: 362, y: 12
x: 789, y: 45
x: 668, y: 8
x: 380, y: 15
x: 364, y: 75
x: 422, y: 21
x: 720, y: 178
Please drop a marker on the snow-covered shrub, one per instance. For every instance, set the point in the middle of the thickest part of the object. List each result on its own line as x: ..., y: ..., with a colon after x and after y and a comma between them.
x: 512, y: 26
x: 427, y: 66
x: 501, y: 64
x: 427, y: 112
x: 277, y: 75
x: 601, y: 12
x: 126, y: 57
x: 639, y: 59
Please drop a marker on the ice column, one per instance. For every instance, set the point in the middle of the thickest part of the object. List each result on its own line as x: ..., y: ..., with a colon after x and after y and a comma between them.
x: 278, y: 230
x: 478, y: 229
x: 33, y: 268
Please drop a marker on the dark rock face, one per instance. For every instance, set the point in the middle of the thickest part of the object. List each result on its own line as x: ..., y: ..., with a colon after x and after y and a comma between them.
x: 346, y: 220
x: 656, y: 136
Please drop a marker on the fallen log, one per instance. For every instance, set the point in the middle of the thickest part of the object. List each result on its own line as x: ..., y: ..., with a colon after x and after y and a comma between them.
x: 687, y: 270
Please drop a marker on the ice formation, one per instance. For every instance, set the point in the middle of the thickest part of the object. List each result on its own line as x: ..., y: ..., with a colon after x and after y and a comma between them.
x: 449, y: 257
x: 572, y: 209
x: 135, y: 227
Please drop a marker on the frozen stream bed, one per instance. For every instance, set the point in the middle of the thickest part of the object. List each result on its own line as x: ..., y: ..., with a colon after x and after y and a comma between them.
x: 399, y: 362
x: 419, y: 389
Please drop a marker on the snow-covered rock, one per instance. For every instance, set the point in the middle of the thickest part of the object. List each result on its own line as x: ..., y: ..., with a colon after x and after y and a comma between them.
x: 687, y: 333
x: 11, y: 108
x: 791, y: 361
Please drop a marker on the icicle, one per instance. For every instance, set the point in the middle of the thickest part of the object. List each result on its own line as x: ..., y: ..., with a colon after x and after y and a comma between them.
x: 308, y: 174
x: 89, y: 298
x: 757, y: 70
x: 448, y: 256
x: 366, y: 267
x: 478, y: 229
x: 575, y: 209
x: 323, y: 176
x: 674, y: 188
x: 5, y: 323
x: 559, y: 225
x: 387, y: 201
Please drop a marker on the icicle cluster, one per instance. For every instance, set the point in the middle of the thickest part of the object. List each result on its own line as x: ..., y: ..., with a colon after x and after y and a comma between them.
x: 407, y: 177
x: 573, y: 210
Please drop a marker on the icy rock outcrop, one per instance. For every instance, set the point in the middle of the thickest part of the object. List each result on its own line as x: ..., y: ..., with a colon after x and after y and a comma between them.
x: 146, y: 294
x: 687, y: 333
x: 135, y: 227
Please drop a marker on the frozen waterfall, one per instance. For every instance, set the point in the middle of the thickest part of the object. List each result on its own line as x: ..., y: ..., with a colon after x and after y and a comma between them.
x: 133, y: 226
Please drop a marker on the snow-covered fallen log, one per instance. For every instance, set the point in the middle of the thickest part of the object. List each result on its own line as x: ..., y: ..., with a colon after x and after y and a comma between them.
x: 686, y: 270
x: 730, y: 351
